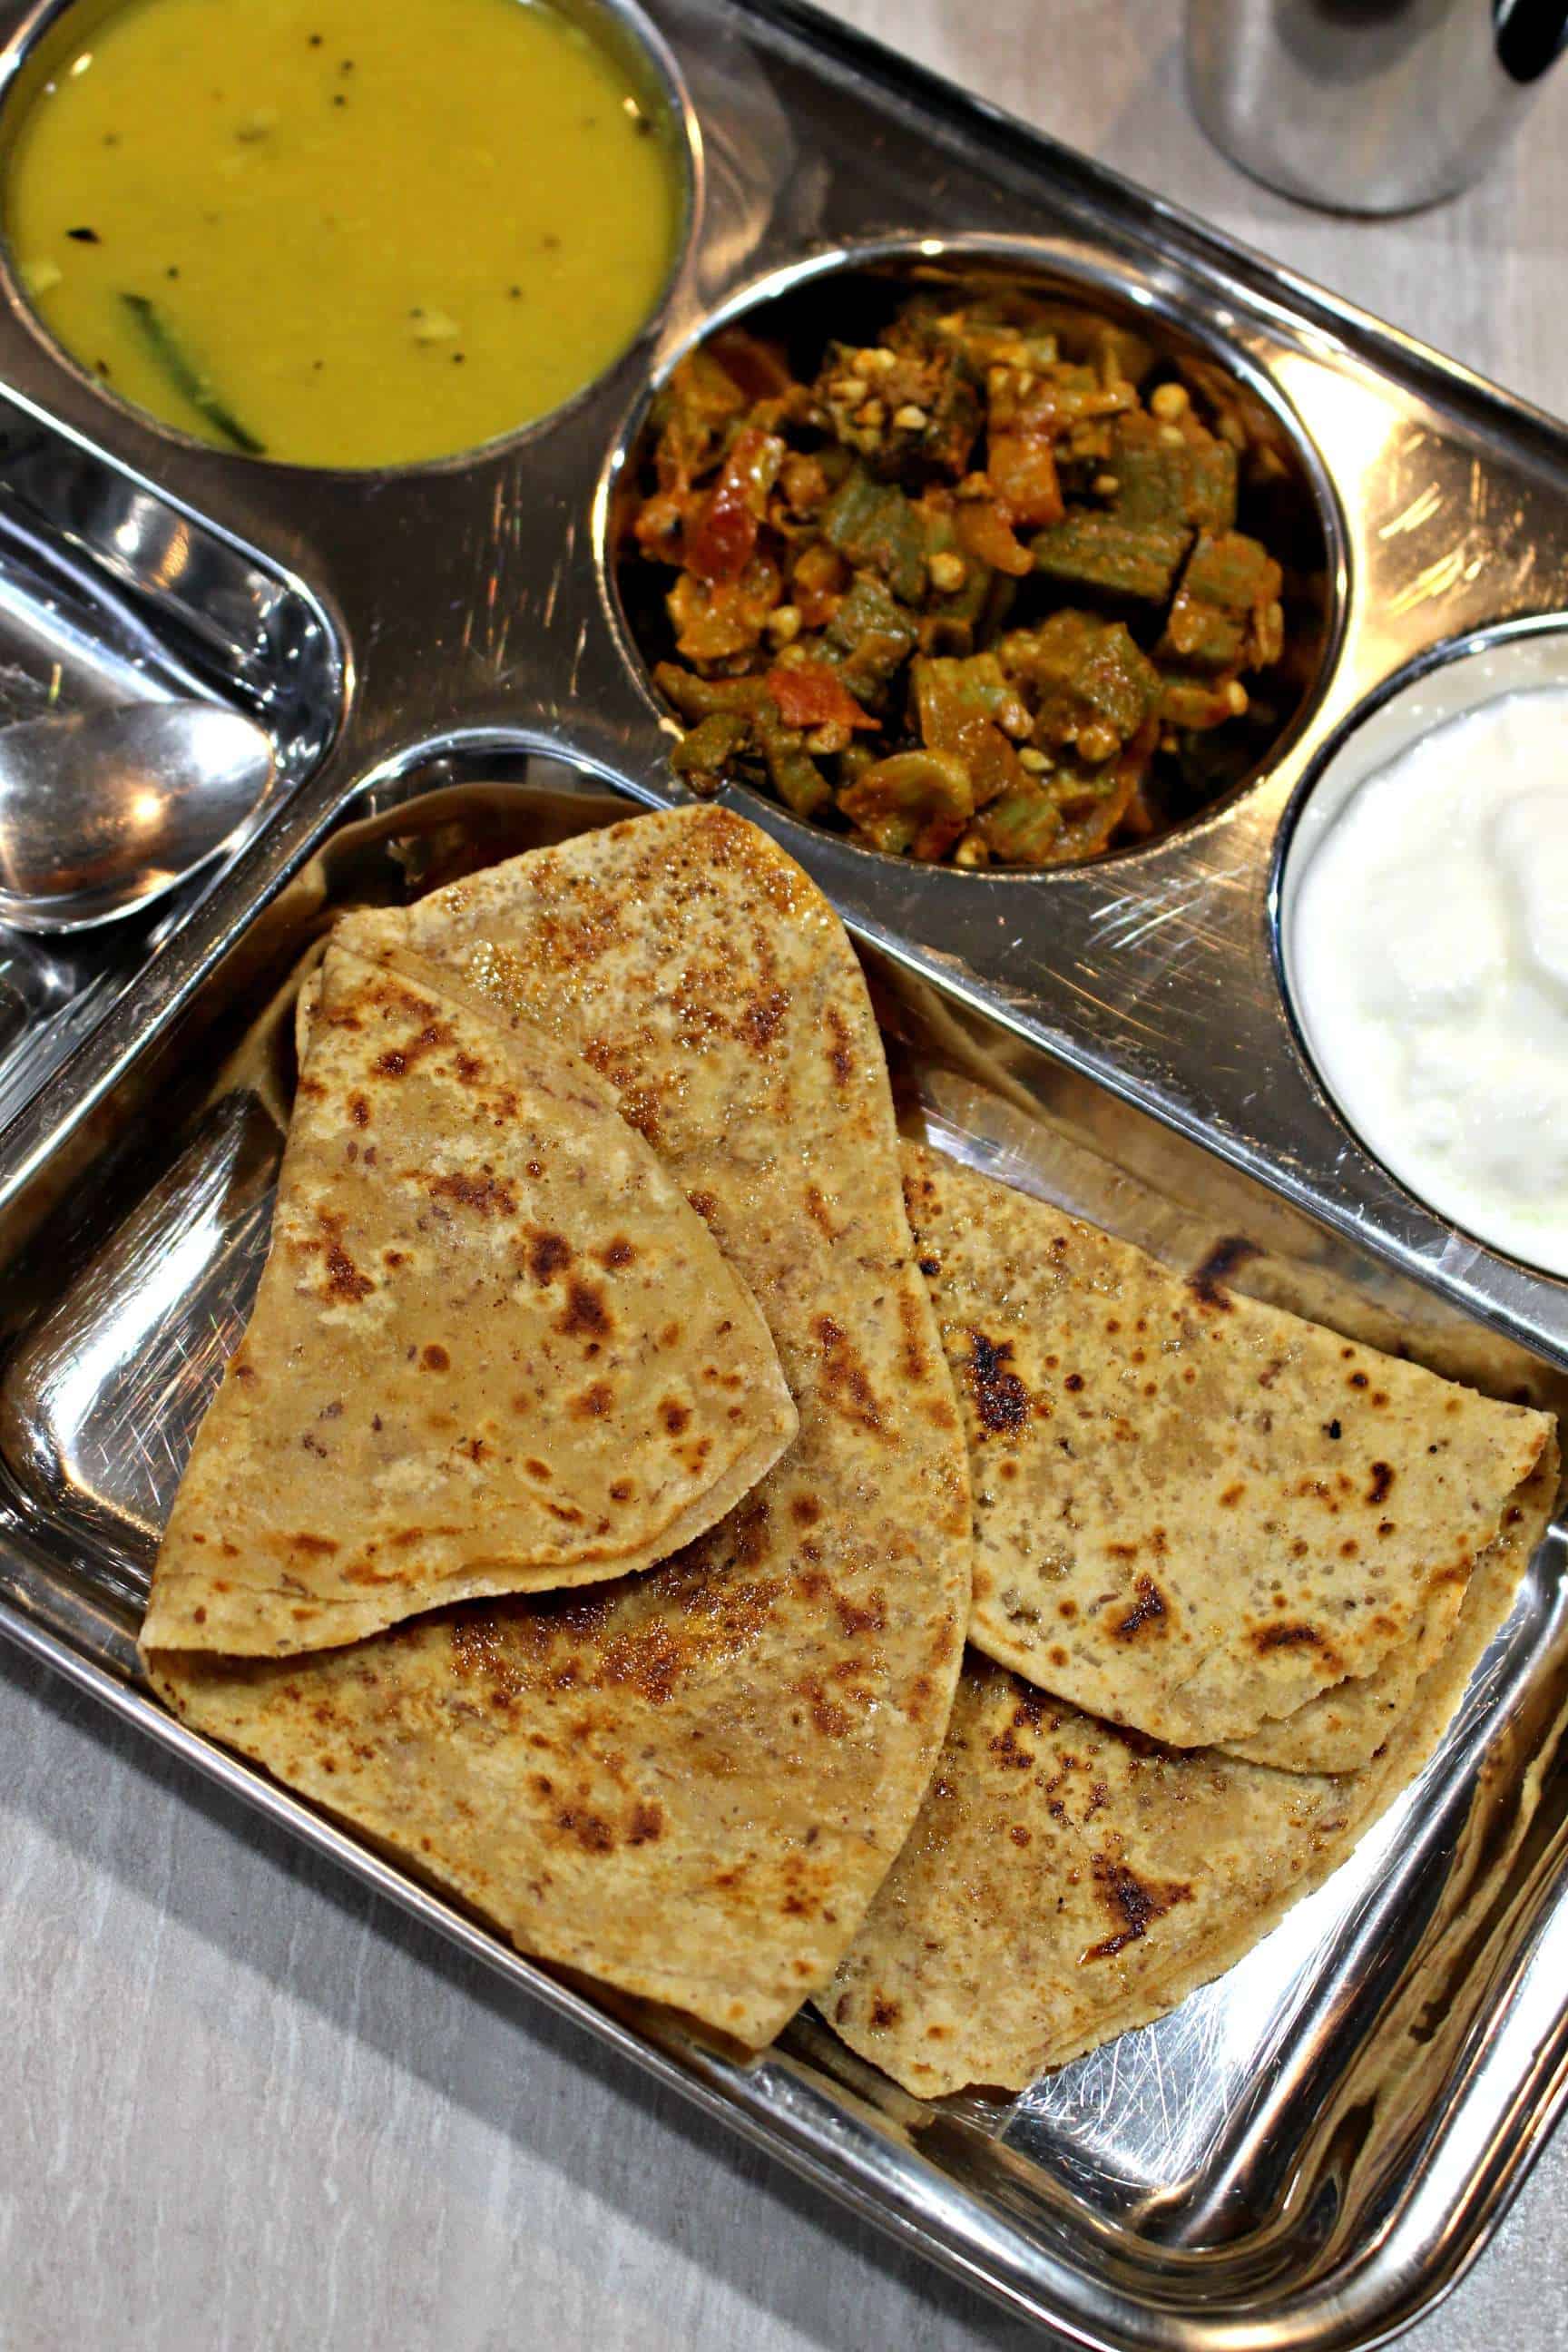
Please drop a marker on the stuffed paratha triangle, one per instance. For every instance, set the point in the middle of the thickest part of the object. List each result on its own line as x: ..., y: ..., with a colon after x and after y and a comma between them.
x: 494, y: 1349
x: 1194, y: 1514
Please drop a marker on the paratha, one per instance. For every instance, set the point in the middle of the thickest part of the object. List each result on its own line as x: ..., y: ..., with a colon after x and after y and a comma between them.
x: 1194, y: 1514
x: 494, y: 1349
x: 1069, y: 1880
x: 688, y: 1784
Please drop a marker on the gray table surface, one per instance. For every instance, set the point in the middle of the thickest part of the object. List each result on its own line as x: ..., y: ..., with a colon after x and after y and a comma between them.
x: 242, y: 2105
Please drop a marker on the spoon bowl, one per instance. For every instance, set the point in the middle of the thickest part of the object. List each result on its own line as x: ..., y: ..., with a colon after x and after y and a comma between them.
x: 103, y: 812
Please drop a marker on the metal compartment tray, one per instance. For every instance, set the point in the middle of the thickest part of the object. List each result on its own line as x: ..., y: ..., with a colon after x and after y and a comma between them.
x: 1314, y: 2148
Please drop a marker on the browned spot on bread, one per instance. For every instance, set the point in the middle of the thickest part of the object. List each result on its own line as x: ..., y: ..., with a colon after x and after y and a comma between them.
x: 616, y: 1254
x: 622, y: 1490
x: 585, y: 1314
x: 1003, y: 1746
x: 646, y: 1824
x: 1382, y: 1480
x: 321, y: 1547
x: 760, y: 1018
x: 1149, y: 1608
x: 884, y: 2012
x: 547, y: 1255
x: 1233, y: 1493
x: 534, y: 1468
x: 639, y: 1104
x: 1207, y: 1278
x: 591, y: 1831
x: 805, y: 1510
x: 827, y: 1716
x: 344, y: 1279
x: 434, y: 1358
x: 1028, y: 1706
x: 359, y: 1110
x: 817, y: 1209
x: 857, y: 1620
x: 487, y: 1195
x: 397, y: 1061
x: 1296, y: 1636
x: 567, y: 1513
x: 360, y: 1571
x: 1001, y: 1399
x: 674, y: 1415
x: 594, y: 1403
x: 845, y: 1377
x: 916, y: 1363
x: 841, y: 1059
x: 748, y: 1528
x: 1134, y: 1904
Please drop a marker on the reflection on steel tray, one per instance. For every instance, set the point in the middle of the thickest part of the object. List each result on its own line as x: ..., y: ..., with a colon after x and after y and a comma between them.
x: 1317, y: 2143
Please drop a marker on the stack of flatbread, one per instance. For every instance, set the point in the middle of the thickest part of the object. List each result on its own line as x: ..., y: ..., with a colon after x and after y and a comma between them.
x: 1232, y: 1575
x: 585, y: 1513
x: 588, y: 1513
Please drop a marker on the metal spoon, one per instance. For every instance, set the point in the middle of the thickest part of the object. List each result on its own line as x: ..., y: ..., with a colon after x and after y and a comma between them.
x: 103, y: 812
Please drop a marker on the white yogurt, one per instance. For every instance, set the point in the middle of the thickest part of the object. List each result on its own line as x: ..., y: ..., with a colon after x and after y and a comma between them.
x: 1428, y: 961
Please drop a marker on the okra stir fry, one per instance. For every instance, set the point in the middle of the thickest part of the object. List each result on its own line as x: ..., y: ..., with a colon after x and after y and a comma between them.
x: 976, y: 592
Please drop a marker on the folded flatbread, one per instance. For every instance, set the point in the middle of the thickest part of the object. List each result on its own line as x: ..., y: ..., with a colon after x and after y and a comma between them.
x: 494, y: 1349
x: 1069, y: 1880
x: 690, y: 1783
x: 1195, y: 1514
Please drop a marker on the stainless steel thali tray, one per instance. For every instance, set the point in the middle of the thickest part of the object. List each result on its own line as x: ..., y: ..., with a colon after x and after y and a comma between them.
x: 1313, y: 2148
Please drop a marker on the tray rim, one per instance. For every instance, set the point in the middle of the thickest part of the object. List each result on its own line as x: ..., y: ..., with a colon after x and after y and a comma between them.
x: 1203, y: 250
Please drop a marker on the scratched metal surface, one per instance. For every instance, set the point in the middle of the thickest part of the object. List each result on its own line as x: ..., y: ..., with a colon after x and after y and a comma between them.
x: 1313, y: 2147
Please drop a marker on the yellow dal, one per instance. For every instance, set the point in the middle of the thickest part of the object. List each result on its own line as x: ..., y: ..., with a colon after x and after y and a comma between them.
x: 377, y: 230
